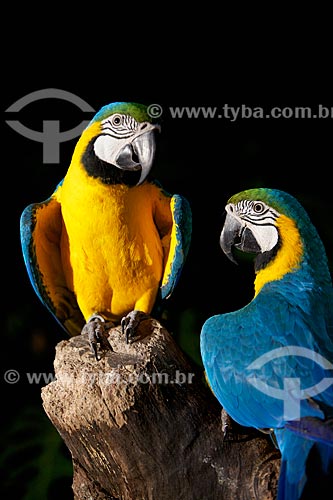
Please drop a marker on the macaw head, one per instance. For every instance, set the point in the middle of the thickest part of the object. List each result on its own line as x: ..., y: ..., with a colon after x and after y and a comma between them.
x: 118, y: 145
x: 274, y: 226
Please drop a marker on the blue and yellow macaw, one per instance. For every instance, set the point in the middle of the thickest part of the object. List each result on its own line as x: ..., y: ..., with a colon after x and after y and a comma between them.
x: 270, y: 363
x: 108, y: 244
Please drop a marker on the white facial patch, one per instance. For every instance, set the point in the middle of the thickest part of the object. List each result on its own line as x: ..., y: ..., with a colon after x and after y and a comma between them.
x: 260, y: 219
x: 106, y: 148
x: 266, y: 236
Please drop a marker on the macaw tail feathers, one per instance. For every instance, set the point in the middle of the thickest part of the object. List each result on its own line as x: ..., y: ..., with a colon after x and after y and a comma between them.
x: 286, y: 489
x: 306, y: 465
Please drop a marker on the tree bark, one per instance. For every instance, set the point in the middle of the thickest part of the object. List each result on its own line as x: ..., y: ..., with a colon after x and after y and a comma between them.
x: 141, y: 424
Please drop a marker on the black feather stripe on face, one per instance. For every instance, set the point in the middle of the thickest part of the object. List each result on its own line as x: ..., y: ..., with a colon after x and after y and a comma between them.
x: 262, y: 259
x: 106, y: 172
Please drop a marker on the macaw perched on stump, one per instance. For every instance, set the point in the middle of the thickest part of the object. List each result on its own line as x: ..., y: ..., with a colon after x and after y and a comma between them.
x: 108, y: 244
x: 270, y: 364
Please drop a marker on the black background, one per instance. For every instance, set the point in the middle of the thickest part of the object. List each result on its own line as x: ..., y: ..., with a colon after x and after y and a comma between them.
x: 205, y: 159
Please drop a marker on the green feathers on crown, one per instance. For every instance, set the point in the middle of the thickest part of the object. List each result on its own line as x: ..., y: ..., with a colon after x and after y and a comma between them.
x: 137, y: 111
x: 281, y: 201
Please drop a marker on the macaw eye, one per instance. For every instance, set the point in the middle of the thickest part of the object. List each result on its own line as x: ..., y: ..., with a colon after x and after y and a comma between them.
x: 116, y: 120
x: 258, y: 207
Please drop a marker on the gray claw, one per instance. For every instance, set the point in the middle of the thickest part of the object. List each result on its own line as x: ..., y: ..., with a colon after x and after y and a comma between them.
x: 96, y: 329
x: 130, y: 323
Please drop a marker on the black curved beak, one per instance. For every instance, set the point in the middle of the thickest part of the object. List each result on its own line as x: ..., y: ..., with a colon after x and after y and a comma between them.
x: 236, y: 235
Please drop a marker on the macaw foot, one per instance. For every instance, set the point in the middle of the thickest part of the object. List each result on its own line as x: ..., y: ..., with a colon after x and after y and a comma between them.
x: 226, y: 422
x: 97, y: 330
x: 232, y: 431
x: 130, y: 323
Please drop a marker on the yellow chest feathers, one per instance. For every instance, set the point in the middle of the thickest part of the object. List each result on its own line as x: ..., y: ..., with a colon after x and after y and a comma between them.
x: 109, y: 229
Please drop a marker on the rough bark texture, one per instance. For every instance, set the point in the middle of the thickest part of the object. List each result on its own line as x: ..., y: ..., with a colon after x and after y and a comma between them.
x: 141, y: 424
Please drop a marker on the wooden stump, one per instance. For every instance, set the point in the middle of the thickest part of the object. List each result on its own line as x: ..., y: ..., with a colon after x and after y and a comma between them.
x: 141, y: 424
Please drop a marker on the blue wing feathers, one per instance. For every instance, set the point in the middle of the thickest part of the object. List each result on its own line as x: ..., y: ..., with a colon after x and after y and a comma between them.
x: 182, y: 220
x: 40, y: 232
x: 28, y: 221
x: 27, y: 225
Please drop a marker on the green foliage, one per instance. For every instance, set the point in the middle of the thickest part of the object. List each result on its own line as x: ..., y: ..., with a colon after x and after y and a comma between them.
x: 33, y: 461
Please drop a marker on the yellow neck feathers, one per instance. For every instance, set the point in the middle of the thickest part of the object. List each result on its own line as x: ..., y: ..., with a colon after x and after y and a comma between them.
x: 288, y: 256
x: 90, y: 132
